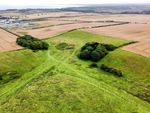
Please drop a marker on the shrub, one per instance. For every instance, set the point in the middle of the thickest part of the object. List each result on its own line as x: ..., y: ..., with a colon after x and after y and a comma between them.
x: 32, y: 43
x: 93, y: 65
x: 6, y: 77
x: 111, y: 70
x: 109, y: 47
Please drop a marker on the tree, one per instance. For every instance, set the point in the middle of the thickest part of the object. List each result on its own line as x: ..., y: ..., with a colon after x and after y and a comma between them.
x: 85, y: 55
x: 95, y: 56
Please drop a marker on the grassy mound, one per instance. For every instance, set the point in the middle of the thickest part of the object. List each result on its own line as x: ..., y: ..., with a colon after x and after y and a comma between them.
x: 62, y: 83
x: 136, y: 71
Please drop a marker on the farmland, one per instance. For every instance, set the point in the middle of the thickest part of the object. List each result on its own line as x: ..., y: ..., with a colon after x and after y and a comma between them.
x: 75, y: 60
x: 134, y: 27
x: 58, y: 82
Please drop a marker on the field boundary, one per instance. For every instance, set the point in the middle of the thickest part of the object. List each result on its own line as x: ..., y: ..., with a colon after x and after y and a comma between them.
x: 9, y: 31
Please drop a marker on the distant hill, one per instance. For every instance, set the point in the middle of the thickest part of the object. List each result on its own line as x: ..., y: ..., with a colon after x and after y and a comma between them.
x: 103, y: 8
x: 113, y: 8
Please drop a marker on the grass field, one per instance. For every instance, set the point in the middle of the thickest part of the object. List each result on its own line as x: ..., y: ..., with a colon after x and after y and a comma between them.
x: 56, y: 81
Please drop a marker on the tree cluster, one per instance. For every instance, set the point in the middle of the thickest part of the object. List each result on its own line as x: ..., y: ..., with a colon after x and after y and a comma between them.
x: 32, y: 43
x: 95, y: 51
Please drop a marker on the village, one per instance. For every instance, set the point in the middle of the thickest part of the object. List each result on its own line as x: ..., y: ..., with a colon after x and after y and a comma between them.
x: 13, y: 22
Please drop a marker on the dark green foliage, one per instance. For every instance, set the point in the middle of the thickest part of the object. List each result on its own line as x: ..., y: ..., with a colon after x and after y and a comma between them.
x: 94, y: 51
x: 85, y: 54
x: 32, y: 43
x: 91, y: 46
x: 95, y: 55
x: 6, y: 77
x: 109, y: 47
x: 93, y: 65
x: 111, y: 70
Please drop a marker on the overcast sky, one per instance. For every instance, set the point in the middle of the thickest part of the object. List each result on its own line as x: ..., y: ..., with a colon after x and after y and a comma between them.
x: 28, y: 3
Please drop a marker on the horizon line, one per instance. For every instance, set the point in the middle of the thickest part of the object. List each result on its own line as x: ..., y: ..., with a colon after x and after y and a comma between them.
x: 59, y: 6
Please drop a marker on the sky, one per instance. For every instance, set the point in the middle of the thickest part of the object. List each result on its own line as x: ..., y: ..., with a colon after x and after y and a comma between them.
x: 62, y: 3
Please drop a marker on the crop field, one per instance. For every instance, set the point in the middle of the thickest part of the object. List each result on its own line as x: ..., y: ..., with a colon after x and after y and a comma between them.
x: 7, y: 41
x: 57, y: 81
x: 57, y: 29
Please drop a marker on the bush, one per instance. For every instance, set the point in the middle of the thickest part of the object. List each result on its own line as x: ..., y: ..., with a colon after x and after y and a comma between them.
x: 32, y: 43
x: 111, y: 70
x: 93, y: 65
x: 6, y: 77
x: 109, y: 47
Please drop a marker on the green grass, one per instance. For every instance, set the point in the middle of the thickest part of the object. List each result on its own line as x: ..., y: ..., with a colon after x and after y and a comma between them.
x: 136, y: 70
x: 61, y: 83
x: 22, y: 62
x: 80, y: 38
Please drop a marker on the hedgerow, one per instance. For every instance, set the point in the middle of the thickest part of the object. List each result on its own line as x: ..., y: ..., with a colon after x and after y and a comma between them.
x: 111, y: 70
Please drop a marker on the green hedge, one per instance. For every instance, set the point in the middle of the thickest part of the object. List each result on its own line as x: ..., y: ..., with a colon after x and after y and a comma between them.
x: 111, y: 70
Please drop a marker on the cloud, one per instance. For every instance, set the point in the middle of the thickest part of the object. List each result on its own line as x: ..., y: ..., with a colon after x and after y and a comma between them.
x: 50, y: 2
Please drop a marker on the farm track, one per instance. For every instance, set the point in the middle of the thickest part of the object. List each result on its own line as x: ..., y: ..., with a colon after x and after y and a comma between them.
x: 70, y: 71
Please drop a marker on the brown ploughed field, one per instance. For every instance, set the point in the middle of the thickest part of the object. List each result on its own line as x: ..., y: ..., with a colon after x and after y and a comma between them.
x: 7, y: 41
x: 55, y: 30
